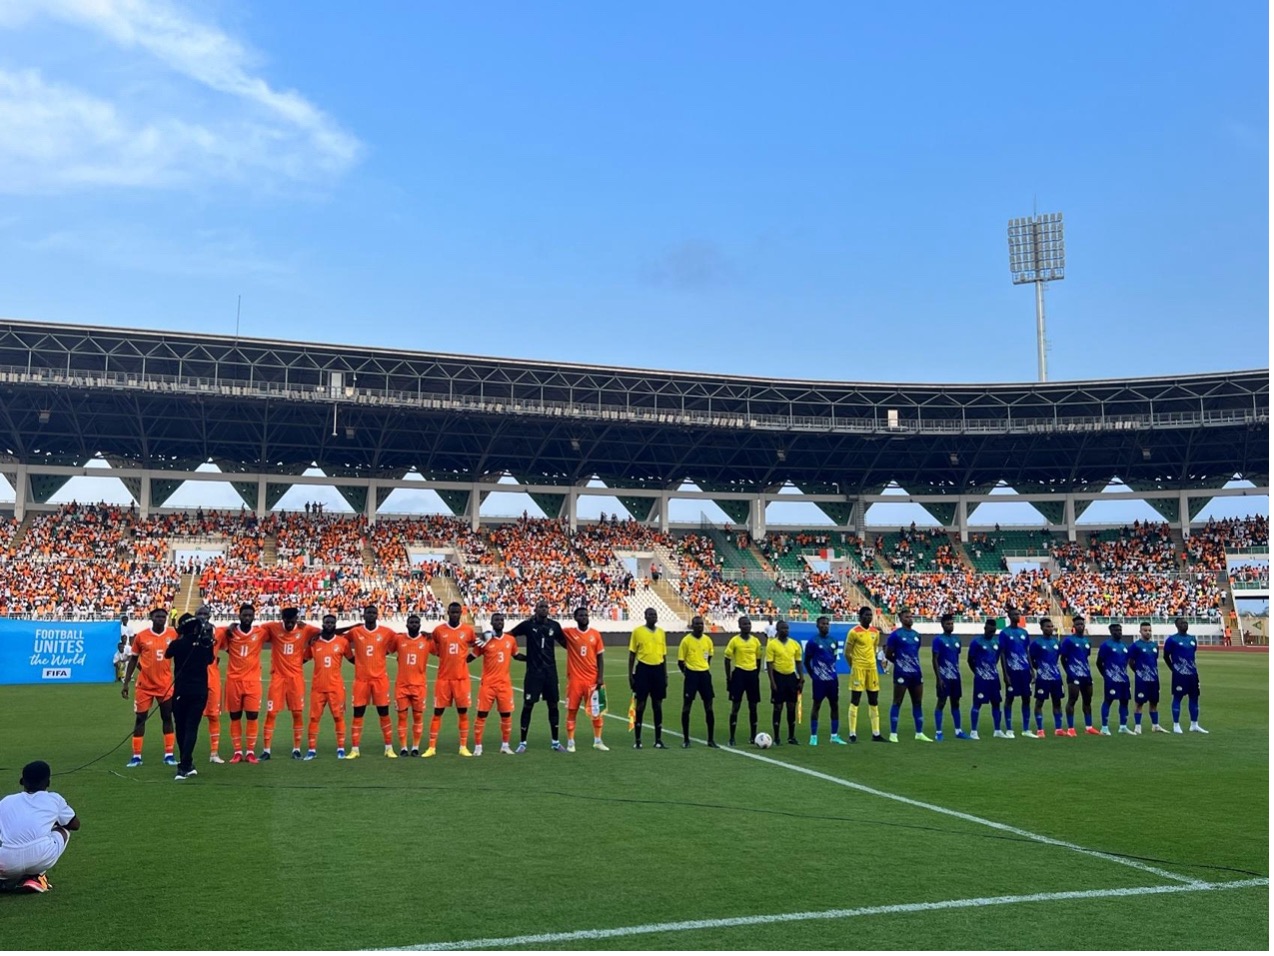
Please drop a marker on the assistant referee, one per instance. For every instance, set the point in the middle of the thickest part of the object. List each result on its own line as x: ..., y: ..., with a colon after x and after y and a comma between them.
x: 648, y: 674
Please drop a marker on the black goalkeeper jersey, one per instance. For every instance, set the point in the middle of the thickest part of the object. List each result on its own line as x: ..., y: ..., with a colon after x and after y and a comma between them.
x: 539, y: 640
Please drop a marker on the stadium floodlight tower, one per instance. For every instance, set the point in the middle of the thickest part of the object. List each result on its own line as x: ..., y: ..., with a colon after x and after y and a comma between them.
x: 1037, y: 253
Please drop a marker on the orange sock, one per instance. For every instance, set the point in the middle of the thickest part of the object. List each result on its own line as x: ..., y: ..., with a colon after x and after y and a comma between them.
x: 313, y: 733
x: 270, y: 718
x: 464, y: 729
x: 169, y: 741
x: 358, y: 730
x: 236, y: 734
x: 597, y: 726
x: 296, y: 730
x: 479, y: 725
x: 387, y: 730
x: 570, y: 723
x: 252, y: 733
x: 137, y: 746
x: 402, y: 726
x: 214, y: 734
x: 433, y: 730
x: 339, y: 720
x: 506, y: 728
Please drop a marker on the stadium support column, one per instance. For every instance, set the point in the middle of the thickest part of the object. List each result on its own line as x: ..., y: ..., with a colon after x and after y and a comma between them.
x: 21, y: 492
x: 1069, y: 516
x: 662, y: 507
x: 572, y: 510
x: 756, y: 517
x: 475, y: 507
x: 143, y: 506
x: 1183, y: 512
x: 962, y: 518
x: 370, y: 508
x: 262, y: 507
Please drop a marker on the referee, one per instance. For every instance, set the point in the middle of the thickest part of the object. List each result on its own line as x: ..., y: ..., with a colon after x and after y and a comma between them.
x: 694, y: 657
x: 787, y: 677
x: 191, y: 653
x: 648, y: 674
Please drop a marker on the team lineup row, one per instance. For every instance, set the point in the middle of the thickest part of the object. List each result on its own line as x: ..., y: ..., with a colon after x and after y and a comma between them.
x: 1007, y: 666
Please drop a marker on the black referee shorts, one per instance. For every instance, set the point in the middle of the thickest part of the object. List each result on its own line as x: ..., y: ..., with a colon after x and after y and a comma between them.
x: 698, y: 684
x: 650, y: 680
x: 784, y: 688
x: 745, y: 683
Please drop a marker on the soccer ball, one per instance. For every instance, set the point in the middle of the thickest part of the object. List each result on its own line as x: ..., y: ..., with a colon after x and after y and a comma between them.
x: 764, y: 740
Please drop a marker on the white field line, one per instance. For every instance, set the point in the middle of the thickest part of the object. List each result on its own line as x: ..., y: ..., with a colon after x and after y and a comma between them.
x: 543, y: 940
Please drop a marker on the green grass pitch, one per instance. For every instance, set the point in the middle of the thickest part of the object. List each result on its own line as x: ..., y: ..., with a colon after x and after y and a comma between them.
x: 379, y: 853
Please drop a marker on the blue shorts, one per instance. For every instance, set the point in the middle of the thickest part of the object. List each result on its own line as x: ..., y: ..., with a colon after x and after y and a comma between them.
x: 986, y: 692
x: 1019, y: 683
x: 1048, y: 689
x: 908, y: 680
x: 951, y: 687
x: 1146, y: 692
x: 1119, y: 692
x: 1073, y: 681
x: 1185, y: 685
x: 826, y: 690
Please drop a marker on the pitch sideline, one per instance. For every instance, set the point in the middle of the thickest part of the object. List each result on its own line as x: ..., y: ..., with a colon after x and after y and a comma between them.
x: 682, y: 926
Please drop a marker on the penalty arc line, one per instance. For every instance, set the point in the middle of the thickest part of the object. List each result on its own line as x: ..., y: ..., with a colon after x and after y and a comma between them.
x: 682, y: 926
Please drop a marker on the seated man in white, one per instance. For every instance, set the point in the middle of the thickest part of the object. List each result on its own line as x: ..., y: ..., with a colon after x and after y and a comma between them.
x: 35, y: 828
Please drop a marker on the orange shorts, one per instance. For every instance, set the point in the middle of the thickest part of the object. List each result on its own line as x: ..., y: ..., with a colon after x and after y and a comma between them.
x: 578, y: 695
x: 375, y: 691
x: 142, y: 699
x: 243, y: 695
x: 448, y: 692
x: 213, y: 707
x: 412, y: 696
x: 285, y: 693
x: 499, y: 694
x: 322, y: 699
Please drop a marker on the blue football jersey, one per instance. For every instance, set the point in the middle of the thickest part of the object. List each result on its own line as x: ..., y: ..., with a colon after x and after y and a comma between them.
x: 1045, y: 654
x: 1075, y: 653
x: 905, y: 645
x: 1014, y: 643
x: 1144, y: 657
x: 1112, y: 661
x: 984, y: 655
x: 820, y: 659
x: 1178, y: 651
x: 946, y: 651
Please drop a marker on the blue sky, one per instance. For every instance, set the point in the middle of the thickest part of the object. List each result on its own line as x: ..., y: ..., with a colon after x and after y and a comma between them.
x: 665, y: 184
x: 816, y: 190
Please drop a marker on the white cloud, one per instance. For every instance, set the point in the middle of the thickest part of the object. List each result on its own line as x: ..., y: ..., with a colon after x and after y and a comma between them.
x: 58, y: 136
x: 206, y: 252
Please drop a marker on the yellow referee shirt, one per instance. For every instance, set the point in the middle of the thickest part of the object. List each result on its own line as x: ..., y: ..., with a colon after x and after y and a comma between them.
x: 651, y: 647
x: 744, y: 652
x: 782, y: 655
x: 696, y: 652
x: 861, y: 645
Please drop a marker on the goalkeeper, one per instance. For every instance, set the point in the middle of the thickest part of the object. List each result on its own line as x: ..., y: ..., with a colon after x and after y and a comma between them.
x: 694, y: 658
x: 584, y: 664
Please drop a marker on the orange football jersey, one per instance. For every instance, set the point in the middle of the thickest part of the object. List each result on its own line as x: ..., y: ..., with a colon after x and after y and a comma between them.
x: 244, y: 653
x: 497, y: 655
x: 413, y: 652
x: 582, y: 648
x: 451, y: 645
x: 370, y: 650
x: 156, y: 670
x: 327, y: 657
x: 287, y: 648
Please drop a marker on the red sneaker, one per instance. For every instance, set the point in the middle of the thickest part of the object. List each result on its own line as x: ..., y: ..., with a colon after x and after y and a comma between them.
x: 251, y: 757
x: 237, y: 758
x: 1060, y: 732
x: 1092, y: 730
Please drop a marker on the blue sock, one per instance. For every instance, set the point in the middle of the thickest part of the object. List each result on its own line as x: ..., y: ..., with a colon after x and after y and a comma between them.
x: 1057, y: 720
x: 955, y: 719
x: 893, y: 719
x: 937, y: 719
x: 813, y: 726
x: 973, y: 717
x: 1008, y: 716
x: 1105, y: 713
x: 1154, y: 717
x: 1026, y: 712
x: 995, y: 716
x: 1123, y: 714
x: 1176, y: 710
x: 1070, y: 720
x: 918, y: 716
x: 1136, y: 718
x: 835, y: 726
x: 1039, y: 721
x: 1088, y: 718
x: 1194, y: 709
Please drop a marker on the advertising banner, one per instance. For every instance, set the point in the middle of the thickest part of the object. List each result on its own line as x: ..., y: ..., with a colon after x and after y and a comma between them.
x: 57, y: 652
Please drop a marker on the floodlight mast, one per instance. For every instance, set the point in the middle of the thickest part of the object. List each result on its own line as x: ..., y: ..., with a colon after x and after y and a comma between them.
x: 1037, y: 254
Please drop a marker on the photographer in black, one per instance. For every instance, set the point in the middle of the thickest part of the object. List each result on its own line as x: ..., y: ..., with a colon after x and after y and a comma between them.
x: 191, y: 654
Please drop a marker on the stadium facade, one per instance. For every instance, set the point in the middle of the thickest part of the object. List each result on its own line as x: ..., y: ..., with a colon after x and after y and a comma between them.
x: 157, y: 405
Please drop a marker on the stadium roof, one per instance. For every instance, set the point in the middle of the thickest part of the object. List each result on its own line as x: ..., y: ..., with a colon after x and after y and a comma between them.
x: 175, y: 399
